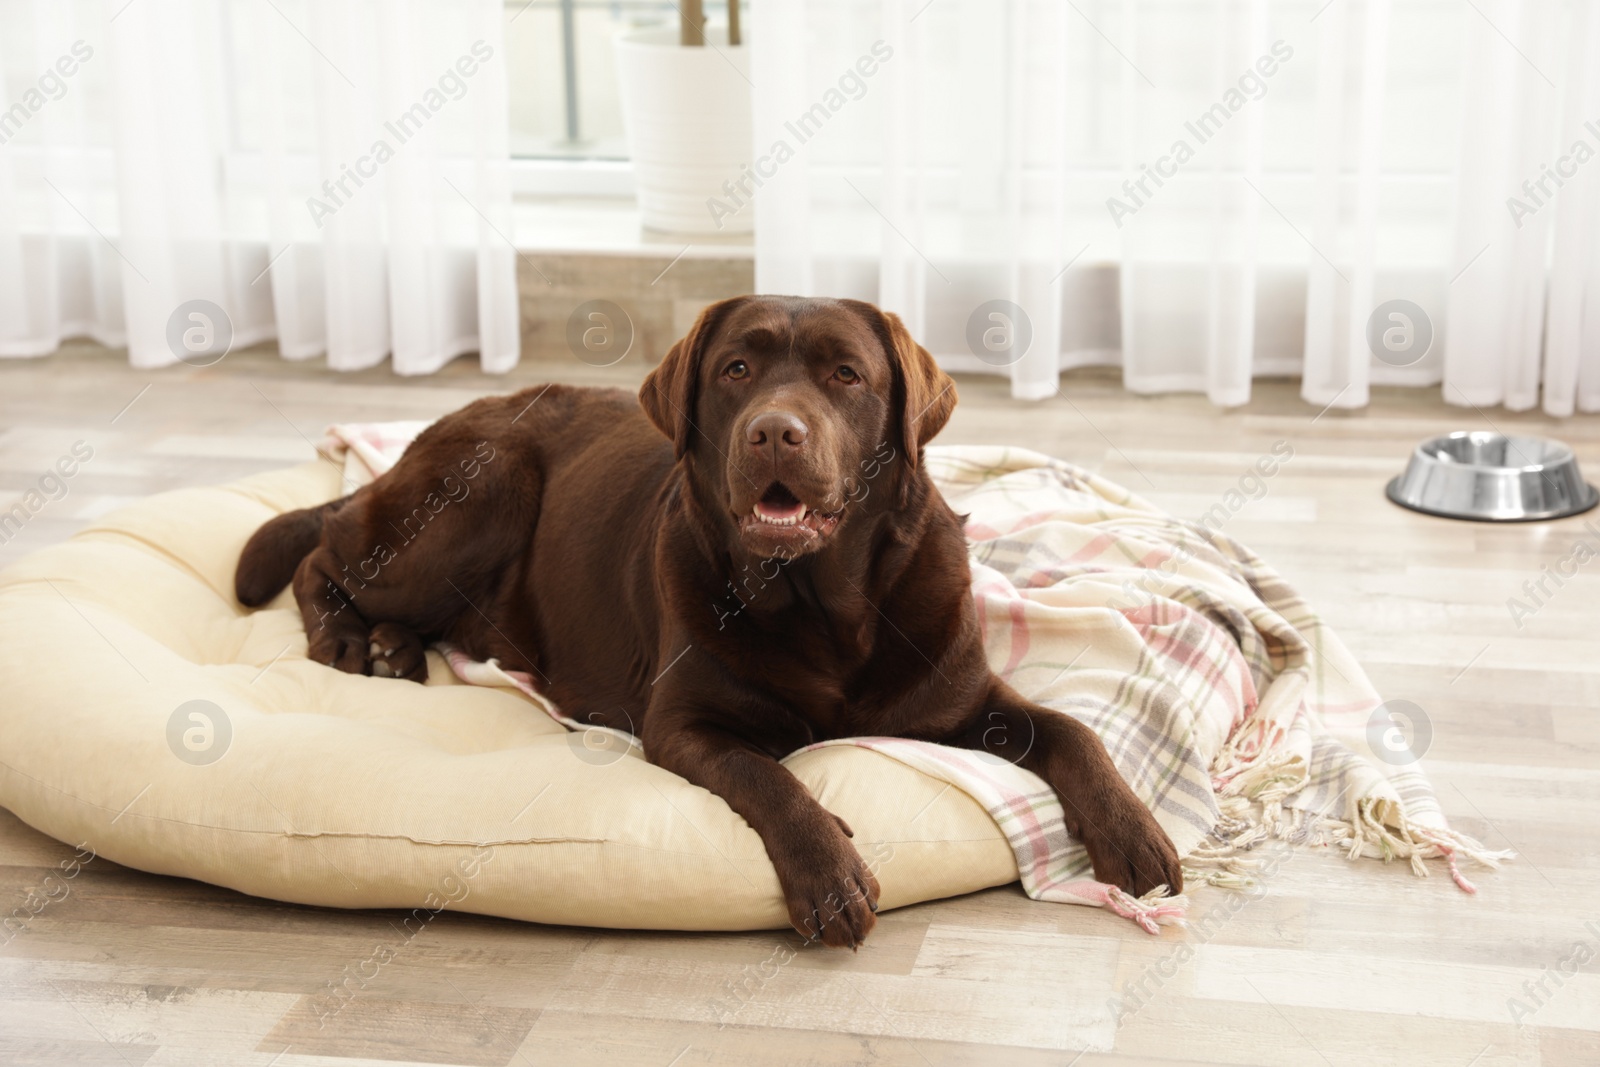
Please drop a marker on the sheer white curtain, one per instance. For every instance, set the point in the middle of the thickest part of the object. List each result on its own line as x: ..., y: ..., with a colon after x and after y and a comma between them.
x: 330, y: 173
x: 1199, y: 191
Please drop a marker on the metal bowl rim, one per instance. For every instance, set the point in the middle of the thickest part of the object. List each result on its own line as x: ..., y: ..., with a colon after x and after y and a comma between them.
x: 1421, y: 453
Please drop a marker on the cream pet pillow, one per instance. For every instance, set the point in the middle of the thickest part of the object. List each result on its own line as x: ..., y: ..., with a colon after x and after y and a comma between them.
x: 154, y: 720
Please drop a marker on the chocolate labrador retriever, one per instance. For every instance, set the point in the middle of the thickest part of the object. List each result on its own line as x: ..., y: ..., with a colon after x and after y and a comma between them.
x: 777, y: 569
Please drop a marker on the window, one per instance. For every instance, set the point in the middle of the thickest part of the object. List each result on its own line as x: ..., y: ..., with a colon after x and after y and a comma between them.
x: 562, y: 73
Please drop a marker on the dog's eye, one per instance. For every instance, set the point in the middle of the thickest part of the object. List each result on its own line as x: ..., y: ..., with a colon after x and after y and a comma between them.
x: 738, y: 370
x: 847, y: 375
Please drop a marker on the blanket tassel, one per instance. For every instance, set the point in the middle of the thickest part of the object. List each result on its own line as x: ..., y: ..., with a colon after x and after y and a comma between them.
x: 1152, y: 911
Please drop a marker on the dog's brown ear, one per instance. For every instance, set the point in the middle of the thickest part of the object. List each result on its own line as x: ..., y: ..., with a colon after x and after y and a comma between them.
x: 669, y: 392
x: 927, y: 395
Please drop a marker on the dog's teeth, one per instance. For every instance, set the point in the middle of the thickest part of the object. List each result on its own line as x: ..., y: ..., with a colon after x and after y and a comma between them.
x: 772, y: 520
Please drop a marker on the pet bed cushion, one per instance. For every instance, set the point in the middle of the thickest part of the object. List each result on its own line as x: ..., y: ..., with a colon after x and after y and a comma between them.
x: 158, y: 723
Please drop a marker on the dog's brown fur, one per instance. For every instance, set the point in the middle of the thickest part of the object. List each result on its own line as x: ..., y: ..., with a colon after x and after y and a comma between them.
x: 558, y: 530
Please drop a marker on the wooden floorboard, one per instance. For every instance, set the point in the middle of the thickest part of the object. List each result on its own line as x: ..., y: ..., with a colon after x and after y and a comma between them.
x: 1331, y: 963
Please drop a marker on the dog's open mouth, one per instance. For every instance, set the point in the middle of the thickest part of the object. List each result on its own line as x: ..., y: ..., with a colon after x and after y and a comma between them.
x: 782, y: 513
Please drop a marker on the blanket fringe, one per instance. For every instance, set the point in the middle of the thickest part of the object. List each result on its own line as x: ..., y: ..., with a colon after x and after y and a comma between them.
x: 1152, y: 911
x: 1220, y: 866
x: 1251, y: 751
x: 1254, y: 794
x: 1374, y: 827
x: 1379, y: 831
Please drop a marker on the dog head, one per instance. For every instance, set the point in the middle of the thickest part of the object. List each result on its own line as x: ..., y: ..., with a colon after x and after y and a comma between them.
x: 792, y: 412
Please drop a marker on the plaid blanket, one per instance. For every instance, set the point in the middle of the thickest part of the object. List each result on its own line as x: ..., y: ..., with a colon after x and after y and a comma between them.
x: 1227, y: 704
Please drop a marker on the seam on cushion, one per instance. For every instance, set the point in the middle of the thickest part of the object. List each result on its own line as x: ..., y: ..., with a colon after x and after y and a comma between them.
x: 133, y: 623
x: 160, y: 551
x: 416, y: 841
x: 554, y: 840
x: 236, y: 489
x: 252, y: 494
x: 160, y: 554
x: 442, y: 842
x: 295, y: 833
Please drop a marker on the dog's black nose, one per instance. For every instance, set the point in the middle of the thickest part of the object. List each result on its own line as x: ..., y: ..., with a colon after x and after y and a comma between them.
x: 776, y: 426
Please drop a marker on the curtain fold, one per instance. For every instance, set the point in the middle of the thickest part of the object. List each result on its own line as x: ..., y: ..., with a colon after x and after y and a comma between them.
x: 334, y: 175
x: 1372, y: 192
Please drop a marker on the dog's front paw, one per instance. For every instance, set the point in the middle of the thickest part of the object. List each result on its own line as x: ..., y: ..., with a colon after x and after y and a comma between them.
x: 1128, y: 847
x: 831, y: 894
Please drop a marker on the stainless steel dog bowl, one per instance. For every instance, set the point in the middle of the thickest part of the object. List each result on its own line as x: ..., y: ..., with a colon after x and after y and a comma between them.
x: 1489, y: 477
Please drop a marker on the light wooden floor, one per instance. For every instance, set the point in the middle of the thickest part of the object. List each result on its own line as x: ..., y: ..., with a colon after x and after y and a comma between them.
x: 1335, y: 964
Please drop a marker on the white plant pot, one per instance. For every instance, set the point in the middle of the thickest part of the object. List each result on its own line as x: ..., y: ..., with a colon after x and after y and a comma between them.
x: 686, y: 111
